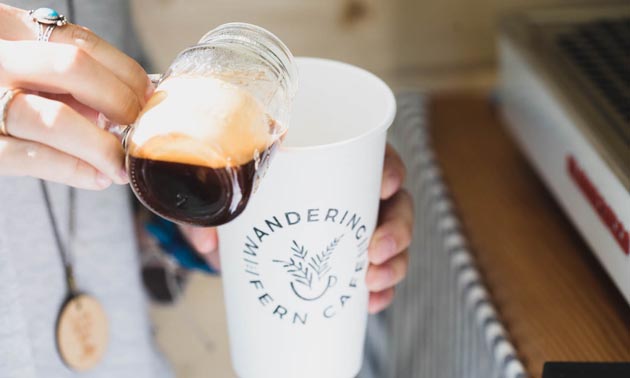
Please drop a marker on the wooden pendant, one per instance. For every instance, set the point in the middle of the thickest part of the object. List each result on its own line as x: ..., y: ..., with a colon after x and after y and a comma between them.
x: 82, y: 332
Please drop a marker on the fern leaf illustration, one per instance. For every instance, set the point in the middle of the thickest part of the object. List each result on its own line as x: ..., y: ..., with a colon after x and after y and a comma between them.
x: 320, y: 262
x: 296, y: 266
x: 299, y: 251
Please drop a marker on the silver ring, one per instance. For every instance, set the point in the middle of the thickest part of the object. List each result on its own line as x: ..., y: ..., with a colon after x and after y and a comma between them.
x: 47, y: 20
x: 6, y: 96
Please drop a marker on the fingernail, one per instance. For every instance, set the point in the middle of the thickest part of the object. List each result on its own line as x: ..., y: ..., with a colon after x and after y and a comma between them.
x: 204, y: 241
x: 102, y: 181
x: 123, y: 175
x: 384, y: 248
x: 392, y: 182
x: 379, y: 281
x: 150, y: 90
x: 372, y: 309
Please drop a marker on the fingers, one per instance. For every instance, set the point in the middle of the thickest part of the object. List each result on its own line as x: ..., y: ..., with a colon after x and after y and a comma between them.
x: 393, y: 173
x: 14, y: 22
x: 395, y: 229
x: 388, y: 251
x: 214, y: 260
x: 205, y: 242
x: 67, y: 69
x: 387, y: 275
x: 55, y: 124
x: 87, y: 112
x: 381, y: 300
x: 122, y: 66
x: 17, y: 25
x: 24, y: 158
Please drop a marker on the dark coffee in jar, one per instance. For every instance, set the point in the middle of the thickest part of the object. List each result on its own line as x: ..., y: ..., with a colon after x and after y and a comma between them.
x: 195, y: 194
x: 199, y: 149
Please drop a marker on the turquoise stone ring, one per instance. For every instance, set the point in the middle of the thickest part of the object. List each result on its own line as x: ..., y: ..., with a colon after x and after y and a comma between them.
x: 48, y: 16
x: 47, y: 19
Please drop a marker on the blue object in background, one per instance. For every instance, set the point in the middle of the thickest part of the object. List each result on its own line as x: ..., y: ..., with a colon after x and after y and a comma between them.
x: 173, y: 243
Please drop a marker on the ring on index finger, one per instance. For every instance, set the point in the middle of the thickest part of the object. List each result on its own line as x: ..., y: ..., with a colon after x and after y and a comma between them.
x: 6, y: 96
x: 47, y: 20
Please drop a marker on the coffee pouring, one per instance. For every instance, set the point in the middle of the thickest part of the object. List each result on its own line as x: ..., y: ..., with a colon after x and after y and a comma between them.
x: 202, y: 143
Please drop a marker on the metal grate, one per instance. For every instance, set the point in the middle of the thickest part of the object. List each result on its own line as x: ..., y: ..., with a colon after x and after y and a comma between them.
x: 599, y: 52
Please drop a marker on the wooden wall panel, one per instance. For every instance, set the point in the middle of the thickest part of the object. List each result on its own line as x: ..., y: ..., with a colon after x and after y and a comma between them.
x: 434, y: 43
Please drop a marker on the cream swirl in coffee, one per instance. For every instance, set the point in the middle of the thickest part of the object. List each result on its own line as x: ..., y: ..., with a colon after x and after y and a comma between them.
x: 203, y: 121
x: 198, y: 149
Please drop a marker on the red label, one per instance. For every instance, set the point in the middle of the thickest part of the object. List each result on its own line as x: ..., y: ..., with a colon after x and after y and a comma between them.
x: 599, y: 204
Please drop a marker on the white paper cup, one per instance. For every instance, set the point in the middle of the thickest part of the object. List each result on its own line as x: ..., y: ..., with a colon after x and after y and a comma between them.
x: 294, y: 262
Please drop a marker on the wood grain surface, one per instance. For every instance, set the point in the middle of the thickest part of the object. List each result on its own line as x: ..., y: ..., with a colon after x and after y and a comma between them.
x: 409, y: 43
x: 555, y: 299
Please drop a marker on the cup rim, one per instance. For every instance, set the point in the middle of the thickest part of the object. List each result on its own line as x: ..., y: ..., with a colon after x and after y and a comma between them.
x: 384, y: 124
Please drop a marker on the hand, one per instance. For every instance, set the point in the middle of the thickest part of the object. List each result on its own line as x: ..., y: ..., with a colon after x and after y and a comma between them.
x: 68, y: 81
x: 387, y: 252
x: 206, y: 243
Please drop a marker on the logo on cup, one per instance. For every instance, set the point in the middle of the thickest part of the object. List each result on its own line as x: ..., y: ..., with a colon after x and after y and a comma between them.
x: 298, y: 280
x: 310, y: 275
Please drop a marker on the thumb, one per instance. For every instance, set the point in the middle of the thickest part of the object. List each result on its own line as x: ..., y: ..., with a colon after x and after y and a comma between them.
x: 204, y: 240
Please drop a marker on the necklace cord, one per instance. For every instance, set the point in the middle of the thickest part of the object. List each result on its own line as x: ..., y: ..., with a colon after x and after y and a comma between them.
x: 64, y: 252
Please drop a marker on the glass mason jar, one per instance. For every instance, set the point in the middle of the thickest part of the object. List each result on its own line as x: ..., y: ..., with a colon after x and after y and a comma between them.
x: 205, y: 138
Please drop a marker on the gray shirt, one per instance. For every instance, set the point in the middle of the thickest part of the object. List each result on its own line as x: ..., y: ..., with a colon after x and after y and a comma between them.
x: 32, y: 284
